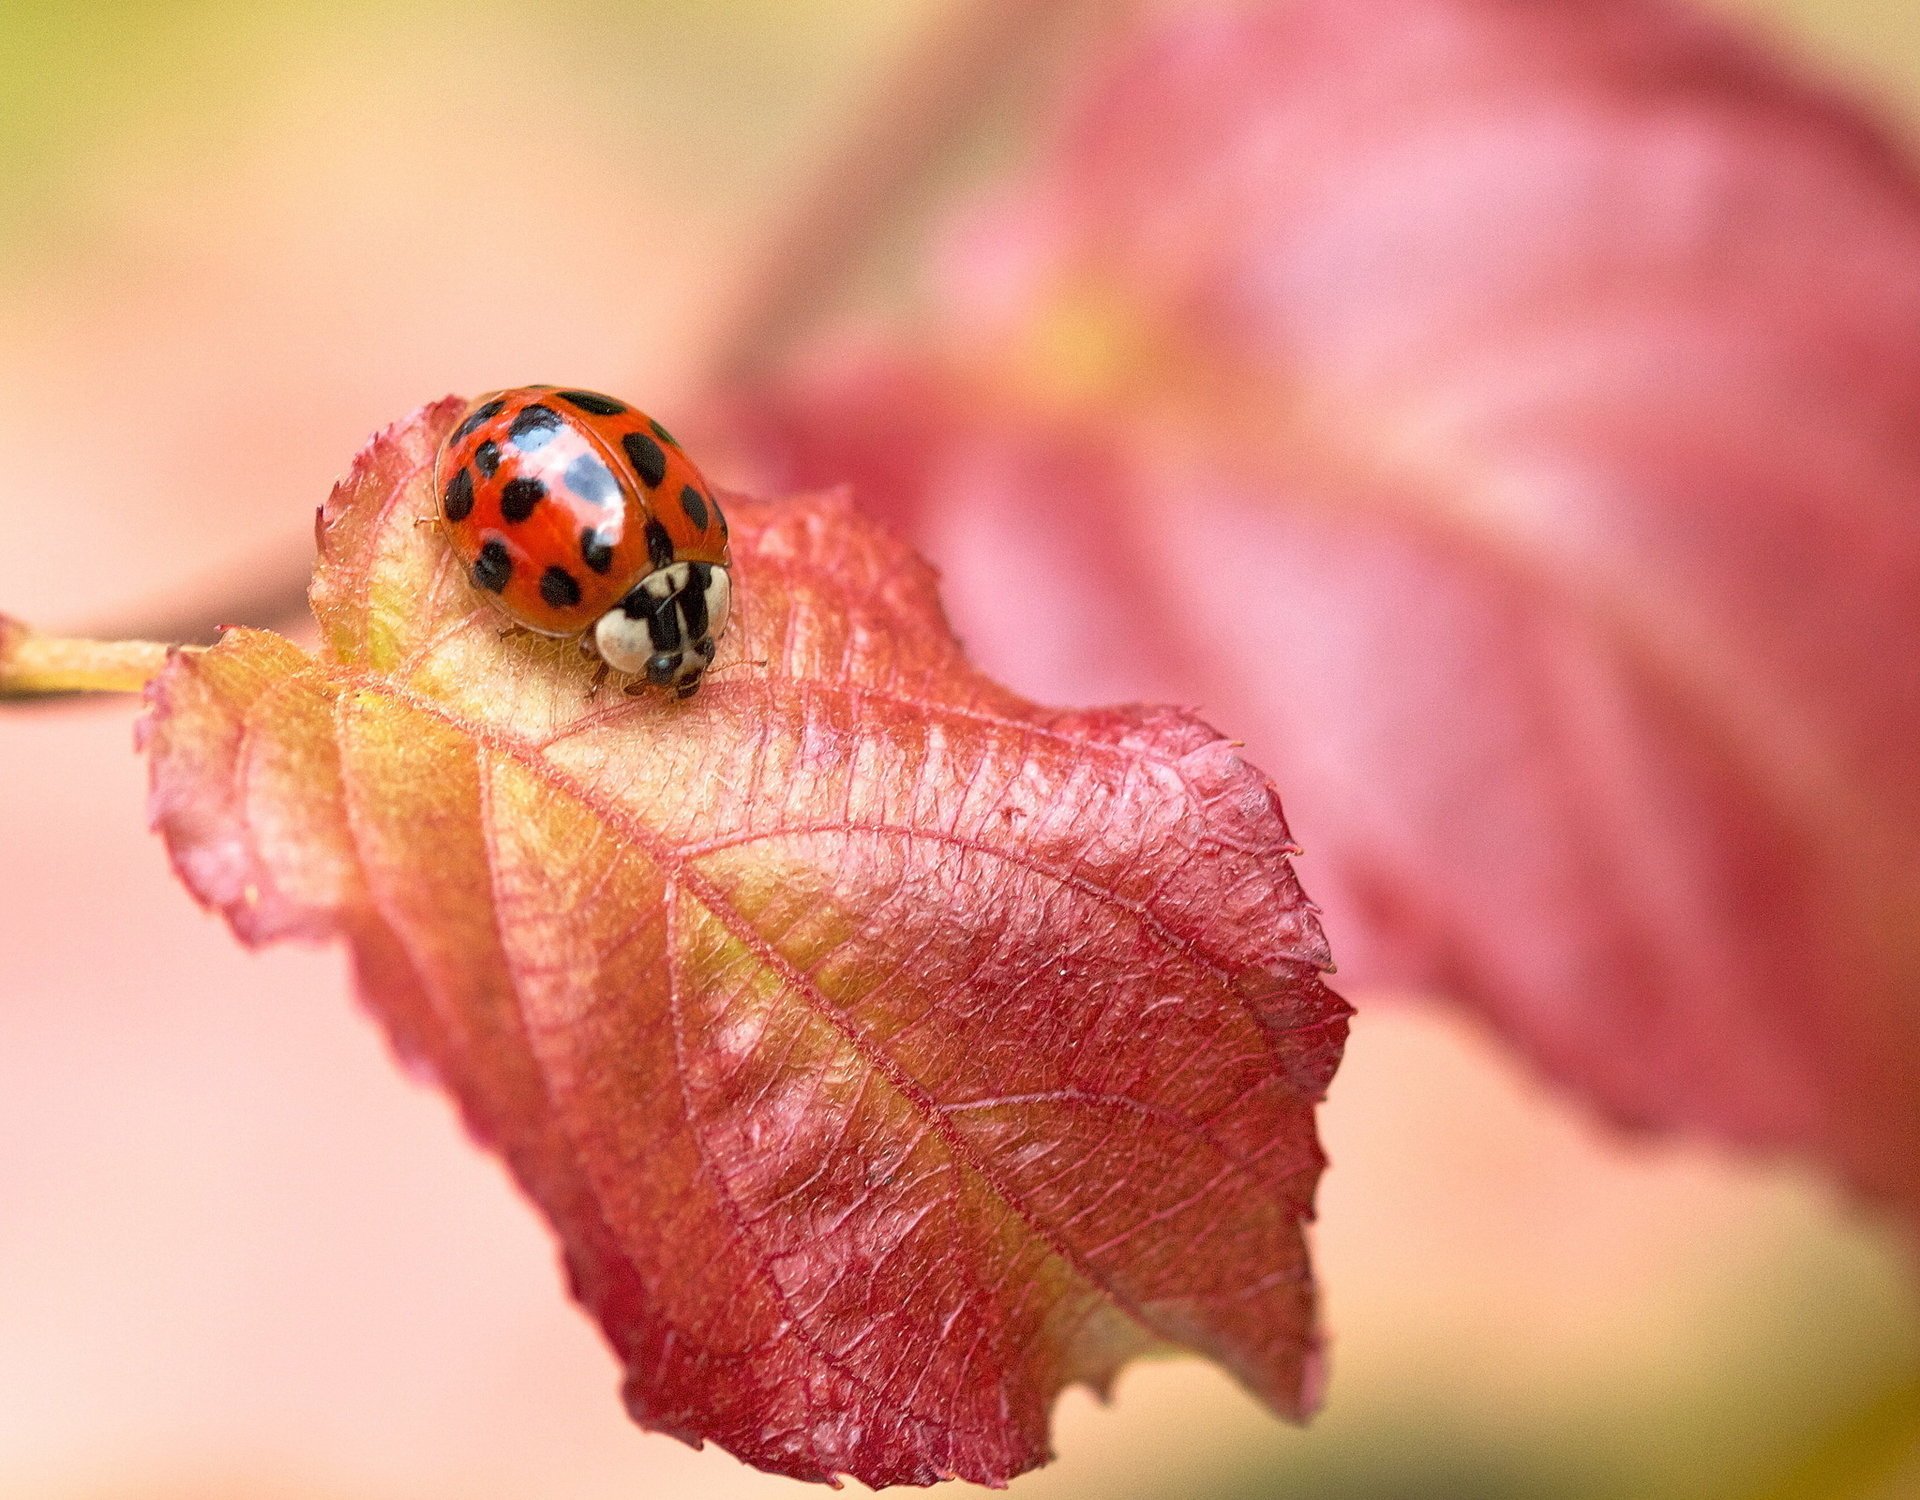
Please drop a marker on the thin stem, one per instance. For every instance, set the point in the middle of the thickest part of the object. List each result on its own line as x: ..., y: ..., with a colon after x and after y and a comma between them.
x: 41, y: 666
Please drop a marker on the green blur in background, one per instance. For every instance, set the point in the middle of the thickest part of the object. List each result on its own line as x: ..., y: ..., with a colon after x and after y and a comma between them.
x: 314, y: 216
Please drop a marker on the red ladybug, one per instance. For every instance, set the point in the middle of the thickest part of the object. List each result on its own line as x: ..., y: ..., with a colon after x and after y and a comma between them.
x: 579, y: 516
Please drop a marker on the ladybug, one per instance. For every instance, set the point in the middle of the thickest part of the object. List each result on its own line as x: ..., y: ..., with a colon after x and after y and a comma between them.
x: 579, y: 516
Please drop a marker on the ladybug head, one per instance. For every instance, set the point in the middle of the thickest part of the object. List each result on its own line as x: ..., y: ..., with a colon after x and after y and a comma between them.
x: 665, y: 628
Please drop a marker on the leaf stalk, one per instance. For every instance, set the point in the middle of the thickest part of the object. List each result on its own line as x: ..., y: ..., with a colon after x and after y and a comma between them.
x: 42, y: 666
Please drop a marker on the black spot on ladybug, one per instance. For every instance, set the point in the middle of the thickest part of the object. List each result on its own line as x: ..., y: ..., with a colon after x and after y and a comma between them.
x: 661, y: 432
x: 457, y: 504
x: 595, y: 552
x: 493, y: 567
x: 649, y: 459
x: 559, y: 588
x: 518, y: 497
x: 534, y: 427
x: 486, y: 458
x: 694, y: 506
x: 485, y: 412
x: 659, y: 544
x: 593, y: 401
x: 592, y: 480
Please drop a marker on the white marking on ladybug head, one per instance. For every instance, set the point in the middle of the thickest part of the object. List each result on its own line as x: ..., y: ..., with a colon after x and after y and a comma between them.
x: 624, y: 643
x: 719, y: 602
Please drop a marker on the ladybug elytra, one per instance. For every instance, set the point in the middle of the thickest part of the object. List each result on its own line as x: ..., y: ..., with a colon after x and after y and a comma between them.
x: 577, y: 515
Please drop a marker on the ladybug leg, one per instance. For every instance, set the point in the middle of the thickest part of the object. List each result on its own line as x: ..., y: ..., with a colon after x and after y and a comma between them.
x: 699, y: 658
x: 513, y: 632
x: 600, y: 674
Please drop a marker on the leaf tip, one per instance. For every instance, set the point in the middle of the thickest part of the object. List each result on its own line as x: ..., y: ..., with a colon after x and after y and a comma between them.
x: 1313, y: 1384
x: 402, y: 439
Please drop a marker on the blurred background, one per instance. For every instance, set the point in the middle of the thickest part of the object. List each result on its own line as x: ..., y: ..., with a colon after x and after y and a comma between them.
x: 240, y: 1255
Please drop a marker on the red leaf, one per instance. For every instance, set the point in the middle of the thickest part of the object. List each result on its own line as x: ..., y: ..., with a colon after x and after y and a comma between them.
x: 888, y: 1052
x: 1508, y: 416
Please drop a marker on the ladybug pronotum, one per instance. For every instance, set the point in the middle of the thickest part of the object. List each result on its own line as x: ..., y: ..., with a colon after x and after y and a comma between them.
x: 578, y: 516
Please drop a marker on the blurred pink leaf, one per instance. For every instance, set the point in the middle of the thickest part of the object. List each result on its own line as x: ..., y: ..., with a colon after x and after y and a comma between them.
x: 1507, y: 415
